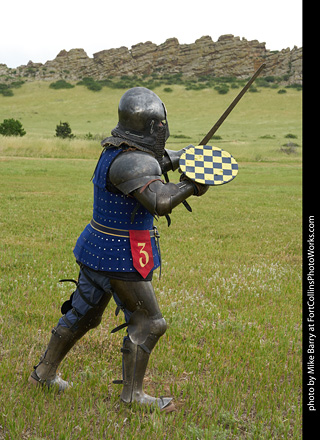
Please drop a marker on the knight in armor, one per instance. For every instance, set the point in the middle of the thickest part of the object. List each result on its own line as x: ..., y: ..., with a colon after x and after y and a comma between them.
x: 118, y: 250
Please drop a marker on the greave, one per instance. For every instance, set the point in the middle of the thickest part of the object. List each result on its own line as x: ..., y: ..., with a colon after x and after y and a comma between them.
x: 61, y: 341
x: 135, y: 361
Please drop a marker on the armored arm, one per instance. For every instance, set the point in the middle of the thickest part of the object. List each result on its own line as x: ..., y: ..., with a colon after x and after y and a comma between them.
x: 160, y: 198
x: 139, y: 174
x: 170, y: 160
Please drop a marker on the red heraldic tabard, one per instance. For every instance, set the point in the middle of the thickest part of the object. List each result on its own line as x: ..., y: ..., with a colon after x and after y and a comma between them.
x: 141, y: 250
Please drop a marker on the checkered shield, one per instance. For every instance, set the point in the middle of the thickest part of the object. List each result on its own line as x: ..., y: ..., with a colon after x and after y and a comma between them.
x: 208, y: 165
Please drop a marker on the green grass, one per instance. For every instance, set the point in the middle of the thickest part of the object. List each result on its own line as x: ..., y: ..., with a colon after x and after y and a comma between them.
x: 254, y: 131
x: 230, y: 287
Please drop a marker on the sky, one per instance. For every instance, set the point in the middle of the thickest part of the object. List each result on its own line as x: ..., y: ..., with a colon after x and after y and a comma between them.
x: 36, y: 30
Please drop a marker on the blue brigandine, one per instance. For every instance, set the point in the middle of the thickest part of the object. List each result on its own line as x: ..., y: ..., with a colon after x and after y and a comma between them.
x: 111, y: 252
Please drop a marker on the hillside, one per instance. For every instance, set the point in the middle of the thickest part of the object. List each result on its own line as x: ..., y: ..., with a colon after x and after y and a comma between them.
x: 256, y: 129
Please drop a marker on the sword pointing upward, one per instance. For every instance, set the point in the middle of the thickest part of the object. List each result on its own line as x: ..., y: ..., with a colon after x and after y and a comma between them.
x: 209, y: 135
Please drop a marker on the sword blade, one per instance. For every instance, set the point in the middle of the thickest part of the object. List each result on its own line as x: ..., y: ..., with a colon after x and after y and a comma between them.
x: 209, y: 135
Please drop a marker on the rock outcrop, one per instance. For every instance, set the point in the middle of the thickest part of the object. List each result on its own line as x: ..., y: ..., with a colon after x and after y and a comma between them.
x: 229, y: 56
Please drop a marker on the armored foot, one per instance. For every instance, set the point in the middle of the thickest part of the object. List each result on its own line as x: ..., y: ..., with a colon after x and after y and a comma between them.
x: 56, y: 383
x: 164, y: 403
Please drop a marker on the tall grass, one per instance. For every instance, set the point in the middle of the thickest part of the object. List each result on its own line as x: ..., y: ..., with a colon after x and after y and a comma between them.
x: 230, y: 291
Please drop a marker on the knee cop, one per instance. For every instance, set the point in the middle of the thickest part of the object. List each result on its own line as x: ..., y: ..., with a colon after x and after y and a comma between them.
x: 144, y: 330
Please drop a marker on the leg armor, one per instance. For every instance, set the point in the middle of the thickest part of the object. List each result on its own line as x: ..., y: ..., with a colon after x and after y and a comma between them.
x: 145, y: 326
x: 83, y: 312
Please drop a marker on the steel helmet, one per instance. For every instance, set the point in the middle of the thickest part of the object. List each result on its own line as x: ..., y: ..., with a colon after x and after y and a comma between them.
x: 143, y: 120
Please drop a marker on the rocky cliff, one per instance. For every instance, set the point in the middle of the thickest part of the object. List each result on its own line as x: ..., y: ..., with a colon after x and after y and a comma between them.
x: 229, y: 56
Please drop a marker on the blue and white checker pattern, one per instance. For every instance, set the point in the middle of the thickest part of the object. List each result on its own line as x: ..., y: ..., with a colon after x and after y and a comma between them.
x: 208, y: 165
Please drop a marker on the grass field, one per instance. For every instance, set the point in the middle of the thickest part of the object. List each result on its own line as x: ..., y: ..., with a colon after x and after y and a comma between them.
x: 230, y: 288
